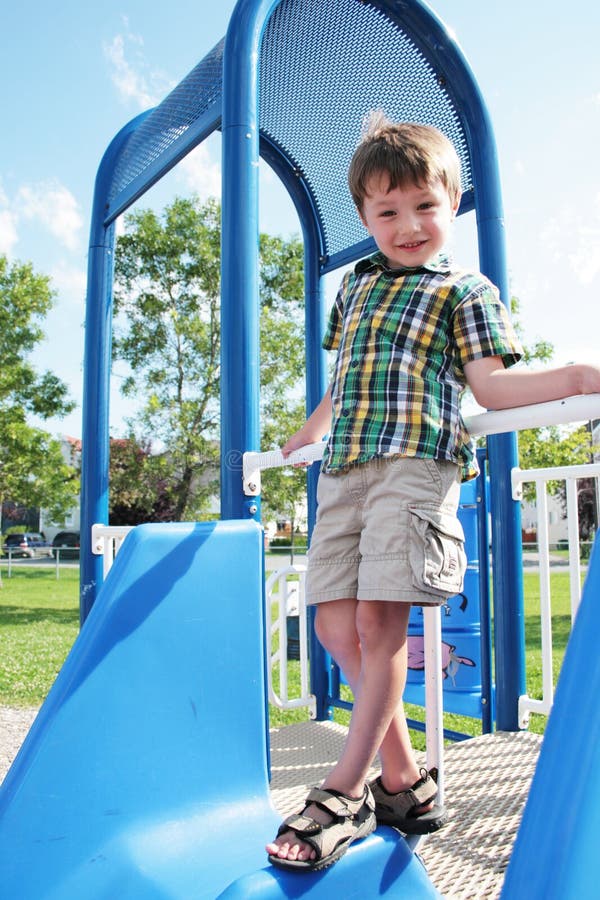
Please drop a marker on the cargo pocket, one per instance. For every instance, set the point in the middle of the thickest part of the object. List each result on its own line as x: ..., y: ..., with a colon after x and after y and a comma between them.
x: 436, y: 552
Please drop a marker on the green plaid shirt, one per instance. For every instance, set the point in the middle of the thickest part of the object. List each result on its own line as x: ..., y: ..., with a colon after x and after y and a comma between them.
x: 402, y: 338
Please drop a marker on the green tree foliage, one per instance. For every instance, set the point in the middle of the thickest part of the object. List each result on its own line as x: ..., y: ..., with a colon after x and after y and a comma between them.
x: 32, y: 469
x: 167, y: 301
x: 554, y: 446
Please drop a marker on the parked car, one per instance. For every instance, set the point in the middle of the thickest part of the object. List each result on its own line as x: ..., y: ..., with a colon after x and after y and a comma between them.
x: 27, y: 544
x: 66, y: 543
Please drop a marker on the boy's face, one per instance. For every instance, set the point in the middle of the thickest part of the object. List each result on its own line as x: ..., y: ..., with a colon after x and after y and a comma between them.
x: 411, y: 224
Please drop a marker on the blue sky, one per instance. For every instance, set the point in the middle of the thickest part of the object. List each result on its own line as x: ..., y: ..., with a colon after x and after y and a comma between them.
x: 73, y: 74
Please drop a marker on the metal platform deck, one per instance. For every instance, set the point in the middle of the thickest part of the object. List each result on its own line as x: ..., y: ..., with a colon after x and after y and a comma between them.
x: 487, y: 780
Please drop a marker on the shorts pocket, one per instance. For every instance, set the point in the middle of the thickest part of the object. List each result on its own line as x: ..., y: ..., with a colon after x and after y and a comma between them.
x: 436, y: 551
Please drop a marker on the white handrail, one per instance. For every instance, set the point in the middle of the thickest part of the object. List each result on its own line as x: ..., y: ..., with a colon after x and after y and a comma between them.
x: 579, y: 408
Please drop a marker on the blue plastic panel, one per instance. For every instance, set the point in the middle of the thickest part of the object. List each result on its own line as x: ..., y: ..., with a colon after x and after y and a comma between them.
x: 461, y: 631
x: 555, y: 856
x: 149, y: 755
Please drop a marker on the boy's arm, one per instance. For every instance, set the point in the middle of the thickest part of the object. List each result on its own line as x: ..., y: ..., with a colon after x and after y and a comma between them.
x: 495, y: 387
x: 317, y: 424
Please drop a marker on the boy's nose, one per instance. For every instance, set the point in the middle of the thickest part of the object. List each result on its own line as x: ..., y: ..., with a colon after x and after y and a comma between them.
x: 410, y: 225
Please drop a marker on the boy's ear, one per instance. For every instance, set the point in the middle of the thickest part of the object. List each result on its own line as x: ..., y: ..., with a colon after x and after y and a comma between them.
x: 456, y: 204
x: 362, y: 218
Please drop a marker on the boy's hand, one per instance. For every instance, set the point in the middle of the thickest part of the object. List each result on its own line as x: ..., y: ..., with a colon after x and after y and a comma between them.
x: 314, y: 428
x: 296, y: 441
x: 589, y: 378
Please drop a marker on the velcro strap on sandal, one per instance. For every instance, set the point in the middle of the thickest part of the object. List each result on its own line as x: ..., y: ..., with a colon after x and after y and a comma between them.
x: 421, y: 793
x: 334, y: 803
x: 302, y: 825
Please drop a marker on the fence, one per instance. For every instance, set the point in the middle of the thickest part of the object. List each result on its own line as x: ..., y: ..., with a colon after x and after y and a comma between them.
x: 541, y: 477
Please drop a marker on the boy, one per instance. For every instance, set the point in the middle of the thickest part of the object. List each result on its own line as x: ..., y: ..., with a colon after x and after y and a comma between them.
x: 411, y: 331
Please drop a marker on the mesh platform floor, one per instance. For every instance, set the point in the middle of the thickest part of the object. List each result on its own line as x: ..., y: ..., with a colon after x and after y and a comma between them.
x: 487, y: 780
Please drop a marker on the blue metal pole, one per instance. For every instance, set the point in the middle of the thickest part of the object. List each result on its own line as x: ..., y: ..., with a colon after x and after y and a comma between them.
x: 96, y: 374
x: 316, y: 384
x: 240, y: 365
x: 502, y: 455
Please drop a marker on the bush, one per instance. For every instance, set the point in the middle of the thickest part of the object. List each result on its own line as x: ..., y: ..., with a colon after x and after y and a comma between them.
x: 299, y: 542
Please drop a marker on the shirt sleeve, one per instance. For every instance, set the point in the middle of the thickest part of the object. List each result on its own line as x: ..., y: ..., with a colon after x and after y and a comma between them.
x: 482, y: 327
x: 333, y: 332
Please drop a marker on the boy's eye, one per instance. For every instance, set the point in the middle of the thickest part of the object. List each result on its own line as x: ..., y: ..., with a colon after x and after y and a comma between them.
x: 387, y: 213
x: 427, y: 204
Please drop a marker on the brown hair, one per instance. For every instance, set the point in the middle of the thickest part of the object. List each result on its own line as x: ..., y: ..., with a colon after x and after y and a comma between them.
x: 405, y: 152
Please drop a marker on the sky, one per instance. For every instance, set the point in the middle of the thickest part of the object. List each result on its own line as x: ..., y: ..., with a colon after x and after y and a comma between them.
x: 73, y: 74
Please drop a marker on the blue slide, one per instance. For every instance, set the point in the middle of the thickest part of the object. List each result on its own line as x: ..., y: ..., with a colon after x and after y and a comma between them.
x: 556, y: 854
x: 145, y: 775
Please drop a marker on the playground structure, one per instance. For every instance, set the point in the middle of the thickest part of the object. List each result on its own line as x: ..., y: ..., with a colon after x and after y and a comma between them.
x: 109, y: 795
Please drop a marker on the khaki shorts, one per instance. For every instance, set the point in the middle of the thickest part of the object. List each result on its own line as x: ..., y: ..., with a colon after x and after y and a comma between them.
x: 387, y: 530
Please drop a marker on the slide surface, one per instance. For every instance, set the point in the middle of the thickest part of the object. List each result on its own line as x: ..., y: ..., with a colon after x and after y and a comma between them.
x: 556, y: 856
x: 145, y: 773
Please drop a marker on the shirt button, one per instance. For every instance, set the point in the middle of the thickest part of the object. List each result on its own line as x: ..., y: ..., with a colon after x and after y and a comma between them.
x: 345, y: 411
x: 354, y: 363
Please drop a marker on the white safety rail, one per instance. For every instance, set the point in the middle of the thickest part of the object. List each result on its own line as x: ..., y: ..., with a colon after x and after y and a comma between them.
x: 286, y: 604
x: 540, y: 477
x: 580, y: 408
x: 107, y: 541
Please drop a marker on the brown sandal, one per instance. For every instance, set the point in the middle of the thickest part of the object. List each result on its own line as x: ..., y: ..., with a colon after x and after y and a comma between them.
x: 350, y: 819
x: 401, y: 810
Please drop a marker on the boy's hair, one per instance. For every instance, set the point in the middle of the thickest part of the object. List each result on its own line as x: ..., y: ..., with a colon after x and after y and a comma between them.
x: 405, y: 152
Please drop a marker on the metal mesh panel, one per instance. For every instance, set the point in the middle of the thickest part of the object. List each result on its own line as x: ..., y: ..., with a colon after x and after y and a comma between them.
x: 186, y: 104
x: 324, y: 65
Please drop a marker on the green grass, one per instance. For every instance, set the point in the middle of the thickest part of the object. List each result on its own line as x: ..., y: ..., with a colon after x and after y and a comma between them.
x: 39, y: 620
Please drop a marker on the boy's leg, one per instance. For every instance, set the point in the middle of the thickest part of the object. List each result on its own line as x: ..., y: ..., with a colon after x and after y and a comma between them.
x: 368, y: 640
x: 376, y: 672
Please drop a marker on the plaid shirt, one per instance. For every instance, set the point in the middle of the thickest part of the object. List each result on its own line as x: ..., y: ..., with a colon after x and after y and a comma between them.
x: 402, y: 338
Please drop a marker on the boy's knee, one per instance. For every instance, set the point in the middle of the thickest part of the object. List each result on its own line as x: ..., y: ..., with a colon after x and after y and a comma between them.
x: 381, y: 621
x: 335, y: 631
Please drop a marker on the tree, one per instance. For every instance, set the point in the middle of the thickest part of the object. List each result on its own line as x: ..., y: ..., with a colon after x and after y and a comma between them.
x: 554, y: 446
x: 32, y: 468
x: 167, y: 329
x: 283, y: 489
x: 138, y: 487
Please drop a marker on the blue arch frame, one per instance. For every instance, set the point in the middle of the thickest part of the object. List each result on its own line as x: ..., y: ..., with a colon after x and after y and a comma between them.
x: 242, y: 146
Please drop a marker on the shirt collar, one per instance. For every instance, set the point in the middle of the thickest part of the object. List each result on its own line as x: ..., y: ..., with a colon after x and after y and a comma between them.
x: 442, y: 263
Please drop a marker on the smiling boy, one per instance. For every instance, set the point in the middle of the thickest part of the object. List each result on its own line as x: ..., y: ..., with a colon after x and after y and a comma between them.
x: 411, y: 331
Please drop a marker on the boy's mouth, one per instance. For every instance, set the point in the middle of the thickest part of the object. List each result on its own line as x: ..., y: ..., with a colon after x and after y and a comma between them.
x: 414, y: 245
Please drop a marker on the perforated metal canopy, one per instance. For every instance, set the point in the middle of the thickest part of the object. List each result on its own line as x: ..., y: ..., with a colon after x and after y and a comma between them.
x: 323, y: 65
x: 293, y: 81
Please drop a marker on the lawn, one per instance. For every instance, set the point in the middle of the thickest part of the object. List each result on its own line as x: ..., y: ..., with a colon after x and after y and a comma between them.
x: 39, y: 620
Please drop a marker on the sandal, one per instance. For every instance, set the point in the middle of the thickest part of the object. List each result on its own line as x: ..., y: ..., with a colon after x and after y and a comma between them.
x: 401, y: 810
x: 351, y: 819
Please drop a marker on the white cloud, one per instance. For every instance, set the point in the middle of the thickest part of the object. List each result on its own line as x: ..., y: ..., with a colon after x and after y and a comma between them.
x: 200, y: 173
x: 133, y: 78
x: 70, y: 281
x: 8, y: 224
x: 8, y: 232
x: 55, y: 207
x: 573, y: 240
